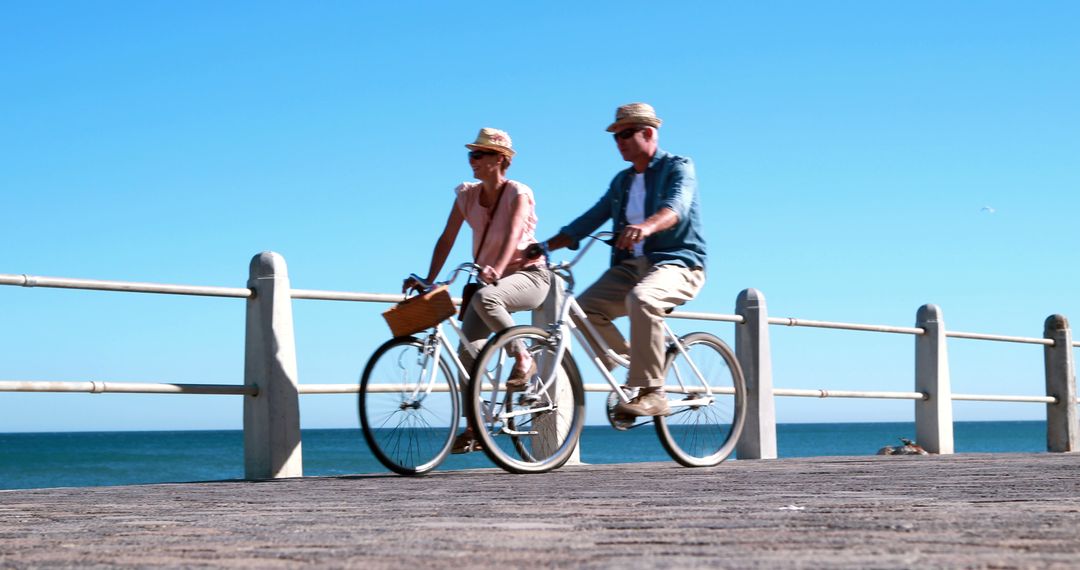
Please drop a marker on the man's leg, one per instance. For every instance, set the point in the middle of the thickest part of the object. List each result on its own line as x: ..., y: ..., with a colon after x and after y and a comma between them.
x: 664, y: 287
x: 605, y: 301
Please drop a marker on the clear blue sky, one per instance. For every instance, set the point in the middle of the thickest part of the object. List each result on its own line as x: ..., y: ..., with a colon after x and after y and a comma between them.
x: 856, y: 160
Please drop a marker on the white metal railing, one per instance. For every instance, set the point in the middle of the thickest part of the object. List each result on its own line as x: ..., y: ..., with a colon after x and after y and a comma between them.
x: 100, y: 387
x: 793, y: 322
x: 1001, y: 338
x: 123, y: 286
x: 270, y: 345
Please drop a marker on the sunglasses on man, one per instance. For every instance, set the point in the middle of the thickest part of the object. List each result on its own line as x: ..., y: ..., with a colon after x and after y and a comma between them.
x: 627, y: 133
x: 478, y: 154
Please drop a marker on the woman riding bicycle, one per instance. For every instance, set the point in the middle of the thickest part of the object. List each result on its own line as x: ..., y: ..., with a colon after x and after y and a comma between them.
x: 502, y: 215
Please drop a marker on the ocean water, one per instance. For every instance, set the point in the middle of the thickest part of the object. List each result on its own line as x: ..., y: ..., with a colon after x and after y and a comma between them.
x: 79, y: 459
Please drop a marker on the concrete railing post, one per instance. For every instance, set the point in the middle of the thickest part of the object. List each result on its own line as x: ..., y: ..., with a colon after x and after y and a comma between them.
x: 543, y: 316
x: 271, y: 418
x: 933, y: 415
x: 758, y: 440
x: 1062, y: 428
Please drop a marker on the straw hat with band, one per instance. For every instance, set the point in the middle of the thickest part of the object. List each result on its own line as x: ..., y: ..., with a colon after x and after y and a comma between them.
x: 493, y: 140
x: 634, y: 114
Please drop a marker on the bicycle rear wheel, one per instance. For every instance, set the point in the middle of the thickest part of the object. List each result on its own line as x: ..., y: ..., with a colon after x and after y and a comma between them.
x: 703, y: 428
x: 409, y: 406
x: 531, y: 431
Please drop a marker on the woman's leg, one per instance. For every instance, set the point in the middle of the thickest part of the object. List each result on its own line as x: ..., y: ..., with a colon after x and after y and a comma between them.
x: 491, y: 305
x: 489, y: 311
x: 519, y: 291
x: 474, y: 334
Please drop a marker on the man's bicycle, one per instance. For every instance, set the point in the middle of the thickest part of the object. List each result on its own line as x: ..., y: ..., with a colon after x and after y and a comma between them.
x: 537, y: 430
x: 409, y: 403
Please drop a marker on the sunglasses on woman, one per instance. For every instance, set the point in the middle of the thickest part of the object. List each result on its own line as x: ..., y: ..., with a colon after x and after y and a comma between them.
x: 478, y: 154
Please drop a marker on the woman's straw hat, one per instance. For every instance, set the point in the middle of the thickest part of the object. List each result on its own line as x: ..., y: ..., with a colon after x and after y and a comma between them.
x: 492, y: 139
x: 634, y: 114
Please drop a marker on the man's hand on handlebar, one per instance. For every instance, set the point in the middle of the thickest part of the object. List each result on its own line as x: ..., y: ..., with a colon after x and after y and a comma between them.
x: 631, y: 235
x: 536, y: 250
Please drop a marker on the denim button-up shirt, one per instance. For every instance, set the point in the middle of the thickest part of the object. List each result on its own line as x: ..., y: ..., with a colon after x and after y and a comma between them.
x: 669, y: 183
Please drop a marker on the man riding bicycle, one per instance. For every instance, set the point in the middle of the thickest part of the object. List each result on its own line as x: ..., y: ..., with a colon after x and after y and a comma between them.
x: 658, y: 261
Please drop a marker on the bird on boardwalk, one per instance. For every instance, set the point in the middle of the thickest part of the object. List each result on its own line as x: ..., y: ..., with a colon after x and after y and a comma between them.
x: 909, y: 448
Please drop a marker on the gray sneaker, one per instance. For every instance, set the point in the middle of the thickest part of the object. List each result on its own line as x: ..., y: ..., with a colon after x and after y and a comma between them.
x: 648, y: 402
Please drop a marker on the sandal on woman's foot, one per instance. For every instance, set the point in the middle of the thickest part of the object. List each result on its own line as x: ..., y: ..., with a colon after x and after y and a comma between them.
x: 465, y: 443
x: 519, y: 379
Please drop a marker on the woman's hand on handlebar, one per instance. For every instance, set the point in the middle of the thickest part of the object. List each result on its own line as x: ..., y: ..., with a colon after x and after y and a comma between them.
x: 488, y: 275
x: 412, y: 283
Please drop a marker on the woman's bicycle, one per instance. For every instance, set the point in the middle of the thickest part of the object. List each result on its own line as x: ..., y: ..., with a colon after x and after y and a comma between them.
x: 409, y: 403
x: 537, y: 430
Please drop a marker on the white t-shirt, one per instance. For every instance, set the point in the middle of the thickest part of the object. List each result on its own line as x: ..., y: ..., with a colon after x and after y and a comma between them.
x: 635, y: 208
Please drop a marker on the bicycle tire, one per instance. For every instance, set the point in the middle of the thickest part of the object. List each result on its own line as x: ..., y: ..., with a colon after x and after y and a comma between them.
x: 703, y: 435
x: 408, y: 428
x: 533, y: 431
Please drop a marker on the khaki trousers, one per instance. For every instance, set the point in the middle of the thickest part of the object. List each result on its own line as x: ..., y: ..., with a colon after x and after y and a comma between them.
x: 645, y: 293
x: 491, y: 305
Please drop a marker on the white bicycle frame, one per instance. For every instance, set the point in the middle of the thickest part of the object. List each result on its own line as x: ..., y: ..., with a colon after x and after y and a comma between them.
x: 571, y: 307
x: 441, y: 341
x: 570, y: 314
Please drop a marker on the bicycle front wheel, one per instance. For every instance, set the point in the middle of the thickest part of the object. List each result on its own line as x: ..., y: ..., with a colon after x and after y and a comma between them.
x: 707, y: 395
x: 533, y: 430
x: 409, y: 406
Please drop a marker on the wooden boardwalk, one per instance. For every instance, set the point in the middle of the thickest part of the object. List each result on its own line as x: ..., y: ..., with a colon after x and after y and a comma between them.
x: 962, y: 511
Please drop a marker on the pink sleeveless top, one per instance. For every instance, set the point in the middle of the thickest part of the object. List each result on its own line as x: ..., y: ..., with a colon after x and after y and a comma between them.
x: 477, y: 216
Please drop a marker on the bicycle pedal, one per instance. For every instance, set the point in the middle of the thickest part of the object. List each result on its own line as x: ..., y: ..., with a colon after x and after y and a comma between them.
x: 622, y: 423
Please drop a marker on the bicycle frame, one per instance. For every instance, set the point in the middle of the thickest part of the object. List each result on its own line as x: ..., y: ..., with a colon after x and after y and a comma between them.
x: 571, y: 308
x: 571, y: 313
x: 437, y: 340
x: 434, y: 343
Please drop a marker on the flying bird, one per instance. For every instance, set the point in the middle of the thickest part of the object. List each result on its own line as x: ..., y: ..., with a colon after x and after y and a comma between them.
x: 988, y: 209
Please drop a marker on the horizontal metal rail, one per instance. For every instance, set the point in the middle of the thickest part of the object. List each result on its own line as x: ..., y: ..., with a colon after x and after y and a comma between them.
x: 707, y: 317
x: 793, y: 322
x: 323, y: 295
x: 991, y: 398
x: 1001, y: 338
x: 818, y: 393
x: 355, y: 388
x: 96, y: 387
x: 100, y: 387
x: 345, y: 296
x: 23, y: 280
x: 124, y: 286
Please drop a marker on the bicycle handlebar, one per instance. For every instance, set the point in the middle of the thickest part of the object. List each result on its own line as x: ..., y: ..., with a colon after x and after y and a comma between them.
x: 605, y: 237
x: 470, y: 268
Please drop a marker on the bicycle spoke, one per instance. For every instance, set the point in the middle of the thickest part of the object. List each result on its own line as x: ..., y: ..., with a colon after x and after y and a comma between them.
x: 537, y: 430
x: 408, y: 427
x: 703, y: 431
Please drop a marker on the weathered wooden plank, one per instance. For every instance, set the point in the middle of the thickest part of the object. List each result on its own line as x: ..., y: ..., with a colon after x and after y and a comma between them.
x: 1002, y: 510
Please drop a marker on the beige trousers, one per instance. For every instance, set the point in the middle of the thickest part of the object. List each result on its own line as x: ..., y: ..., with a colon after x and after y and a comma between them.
x: 645, y: 293
x: 491, y: 305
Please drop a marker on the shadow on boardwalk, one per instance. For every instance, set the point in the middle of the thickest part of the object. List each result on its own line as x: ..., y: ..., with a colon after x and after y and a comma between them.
x: 981, y: 511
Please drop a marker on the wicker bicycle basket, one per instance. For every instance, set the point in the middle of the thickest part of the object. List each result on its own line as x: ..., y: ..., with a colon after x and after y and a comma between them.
x: 420, y: 312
